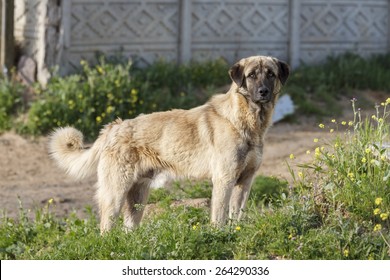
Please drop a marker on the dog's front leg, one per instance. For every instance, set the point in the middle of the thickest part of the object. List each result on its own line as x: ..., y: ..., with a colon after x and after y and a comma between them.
x: 239, y: 197
x: 222, y: 191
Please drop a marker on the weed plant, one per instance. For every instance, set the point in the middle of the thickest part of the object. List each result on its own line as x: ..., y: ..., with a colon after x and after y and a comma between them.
x: 11, y: 93
x: 348, y: 182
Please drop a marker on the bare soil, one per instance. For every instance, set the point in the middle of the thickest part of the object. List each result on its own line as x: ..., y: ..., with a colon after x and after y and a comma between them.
x: 28, y: 175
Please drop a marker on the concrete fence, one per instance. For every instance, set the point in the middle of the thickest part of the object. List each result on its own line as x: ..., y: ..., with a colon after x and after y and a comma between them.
x: 299, y: 31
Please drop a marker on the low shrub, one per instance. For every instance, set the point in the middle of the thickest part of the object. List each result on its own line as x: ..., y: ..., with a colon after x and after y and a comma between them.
x: 11, y: 93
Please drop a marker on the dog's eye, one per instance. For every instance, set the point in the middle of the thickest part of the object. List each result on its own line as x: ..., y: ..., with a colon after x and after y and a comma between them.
x: 270, y: 74
x: 252, y: 75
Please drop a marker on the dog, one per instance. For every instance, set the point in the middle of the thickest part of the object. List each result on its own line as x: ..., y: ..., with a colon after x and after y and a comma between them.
x: 221, y: 140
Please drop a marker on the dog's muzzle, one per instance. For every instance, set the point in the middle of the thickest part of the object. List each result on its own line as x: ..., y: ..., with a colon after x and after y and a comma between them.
x: 263, y: 95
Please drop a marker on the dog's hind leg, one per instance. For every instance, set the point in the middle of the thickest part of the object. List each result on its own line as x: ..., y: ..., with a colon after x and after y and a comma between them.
x: 112, y: 189
x: 136, y: 200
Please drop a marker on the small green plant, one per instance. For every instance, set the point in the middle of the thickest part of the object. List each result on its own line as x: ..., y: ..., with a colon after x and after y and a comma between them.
x: 10, y: 100
x: 267, y: 190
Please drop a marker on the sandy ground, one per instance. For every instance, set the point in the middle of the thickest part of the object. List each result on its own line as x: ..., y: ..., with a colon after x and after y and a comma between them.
x: 27, y: 174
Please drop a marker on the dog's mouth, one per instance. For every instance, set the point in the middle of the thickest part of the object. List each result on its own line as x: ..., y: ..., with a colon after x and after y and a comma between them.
x: 262, y: 100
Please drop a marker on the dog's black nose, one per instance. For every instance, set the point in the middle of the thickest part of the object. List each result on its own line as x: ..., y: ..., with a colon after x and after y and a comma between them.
x: 264, y: 92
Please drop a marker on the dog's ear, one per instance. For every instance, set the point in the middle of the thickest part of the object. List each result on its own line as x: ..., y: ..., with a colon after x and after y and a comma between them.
x: 284, y: 71
x: 236, y: 73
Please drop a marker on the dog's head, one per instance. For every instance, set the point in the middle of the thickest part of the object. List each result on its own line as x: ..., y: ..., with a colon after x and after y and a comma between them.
x: 259, y: 78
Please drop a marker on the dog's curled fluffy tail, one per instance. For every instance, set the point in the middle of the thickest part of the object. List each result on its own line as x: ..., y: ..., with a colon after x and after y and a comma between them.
x: 66, y: 147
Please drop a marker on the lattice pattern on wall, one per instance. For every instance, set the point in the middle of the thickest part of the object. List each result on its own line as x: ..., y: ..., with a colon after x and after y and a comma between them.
x: 333, y: 27
x: 234, y: 29
x: 148, y: 29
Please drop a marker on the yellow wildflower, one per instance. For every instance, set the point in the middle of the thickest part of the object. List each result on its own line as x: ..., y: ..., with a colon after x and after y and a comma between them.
x: 315, y: 140
x: 99, y: 69
x: 377, y: 211
x: 292, y: 156
x: 331, y: 131
x: 387, y: 101
x: 238, y: 228
x: 300, y: 175
x: 110, y: 96
x: 333, y: 121
x: 98, y: 119
x: 378, y: 201
x: 350, y: 123
x: 384, y: 216
x: 317, y: 152
x: 343, y: 122
x: 364, y: 160
x: 321, y: 125
x: 377, y: 227
x: 308, y: 152
x: 195, y: 227
x: 346, y: 253
x: 368, y: 150
x: 110, y: 109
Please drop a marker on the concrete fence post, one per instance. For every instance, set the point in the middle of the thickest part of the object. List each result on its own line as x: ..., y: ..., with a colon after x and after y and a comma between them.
x: 294, y: 42
x: 185, y: 31
x: 6, y: 35
x: 388, y: 25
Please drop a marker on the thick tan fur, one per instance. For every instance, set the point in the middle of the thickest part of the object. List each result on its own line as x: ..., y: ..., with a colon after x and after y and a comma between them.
x: 221, y: 140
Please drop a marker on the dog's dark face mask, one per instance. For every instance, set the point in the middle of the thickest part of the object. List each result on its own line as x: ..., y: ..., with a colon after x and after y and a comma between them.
x: 259, y: 78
